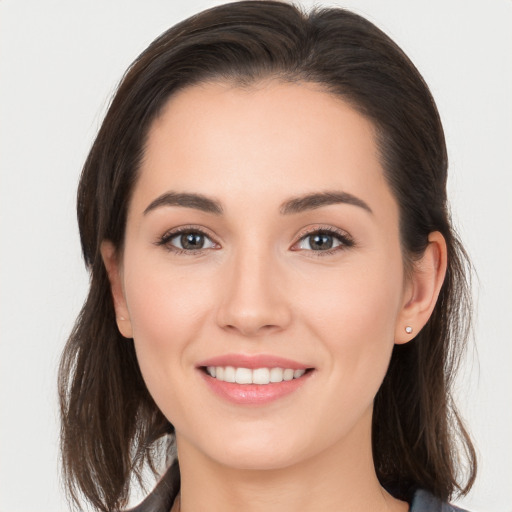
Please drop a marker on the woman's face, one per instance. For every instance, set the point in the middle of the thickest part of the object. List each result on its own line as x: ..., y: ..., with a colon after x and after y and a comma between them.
x: 262, y: 234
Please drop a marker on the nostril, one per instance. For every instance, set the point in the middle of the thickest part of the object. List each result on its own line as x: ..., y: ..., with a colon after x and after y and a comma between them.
x: 249, y: 329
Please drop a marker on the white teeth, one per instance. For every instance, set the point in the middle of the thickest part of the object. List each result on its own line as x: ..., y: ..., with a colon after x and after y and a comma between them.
x: 229, y: 374
x: 261, y: 376
x: 257, y: 376
x: 288, y: 374
x: 243, y: 376
x: 276, y: 375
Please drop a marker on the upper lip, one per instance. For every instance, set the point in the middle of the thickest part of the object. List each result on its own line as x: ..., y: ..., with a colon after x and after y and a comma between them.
x: 253, y: 361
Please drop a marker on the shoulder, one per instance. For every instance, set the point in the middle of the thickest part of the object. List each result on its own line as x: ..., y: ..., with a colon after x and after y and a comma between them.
x: 161, y: 499
x: 423, y: 501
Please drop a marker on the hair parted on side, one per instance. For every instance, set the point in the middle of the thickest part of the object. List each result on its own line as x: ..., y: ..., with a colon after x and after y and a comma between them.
x: 110, y: 423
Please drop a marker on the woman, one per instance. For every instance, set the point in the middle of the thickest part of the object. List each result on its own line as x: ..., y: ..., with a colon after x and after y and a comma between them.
x: 275, y: 283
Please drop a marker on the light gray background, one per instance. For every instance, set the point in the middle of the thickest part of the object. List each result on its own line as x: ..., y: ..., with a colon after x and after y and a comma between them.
x: 61, y: 60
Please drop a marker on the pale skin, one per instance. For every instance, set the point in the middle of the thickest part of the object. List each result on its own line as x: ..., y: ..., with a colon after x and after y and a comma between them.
x: 257, y: 284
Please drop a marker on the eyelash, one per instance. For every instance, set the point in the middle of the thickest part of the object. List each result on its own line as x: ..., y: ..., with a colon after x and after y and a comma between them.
x: 170, y: 235
x: 346, y: 241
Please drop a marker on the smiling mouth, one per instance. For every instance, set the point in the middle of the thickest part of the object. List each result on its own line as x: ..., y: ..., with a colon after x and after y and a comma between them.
x: 259, y: 376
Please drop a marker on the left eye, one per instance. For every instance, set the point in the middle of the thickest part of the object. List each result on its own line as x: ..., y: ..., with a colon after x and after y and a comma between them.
x: 321, y: 241
x: 190, y: 241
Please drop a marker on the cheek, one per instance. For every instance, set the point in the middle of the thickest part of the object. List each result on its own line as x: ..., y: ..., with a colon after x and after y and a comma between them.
x: 165, y: 302
x: 353, y: 312
x: 167, y: 311
x: 356, y: 299
x: 352, y: 318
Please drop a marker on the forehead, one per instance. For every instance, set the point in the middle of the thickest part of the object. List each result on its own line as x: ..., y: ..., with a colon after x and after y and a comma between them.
x: 271, y: 139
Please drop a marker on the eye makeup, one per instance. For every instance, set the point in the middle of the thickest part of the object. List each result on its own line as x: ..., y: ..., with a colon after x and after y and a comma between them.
x: 182, y: 240
x: 323, y: 241
x: 317, y: 240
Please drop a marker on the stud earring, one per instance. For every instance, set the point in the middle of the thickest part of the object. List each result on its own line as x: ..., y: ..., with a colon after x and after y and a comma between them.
x: 408, y: 329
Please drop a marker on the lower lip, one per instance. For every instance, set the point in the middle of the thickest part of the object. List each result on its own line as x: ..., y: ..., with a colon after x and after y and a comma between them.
x: 254, y: 394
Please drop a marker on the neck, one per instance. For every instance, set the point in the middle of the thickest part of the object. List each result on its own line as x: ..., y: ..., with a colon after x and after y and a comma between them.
x: 341, y: 479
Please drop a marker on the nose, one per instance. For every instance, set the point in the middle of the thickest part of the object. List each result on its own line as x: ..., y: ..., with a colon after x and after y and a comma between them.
x: 254, y: 299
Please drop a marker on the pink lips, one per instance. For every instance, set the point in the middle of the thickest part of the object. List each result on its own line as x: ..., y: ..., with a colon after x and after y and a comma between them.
x: 253, y: 394
x: 253, y: 362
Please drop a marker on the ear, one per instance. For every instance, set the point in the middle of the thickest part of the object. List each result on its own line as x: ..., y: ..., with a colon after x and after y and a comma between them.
x: 115, y: 276
x: 422, y: 289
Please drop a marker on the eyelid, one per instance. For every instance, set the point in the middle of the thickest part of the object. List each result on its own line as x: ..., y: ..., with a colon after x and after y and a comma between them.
x: 189, y: 228
x: 343, y: 236
x: 345, y: 239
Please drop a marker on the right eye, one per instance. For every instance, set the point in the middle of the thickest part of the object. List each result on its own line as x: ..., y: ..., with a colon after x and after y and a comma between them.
x: 189, y: 240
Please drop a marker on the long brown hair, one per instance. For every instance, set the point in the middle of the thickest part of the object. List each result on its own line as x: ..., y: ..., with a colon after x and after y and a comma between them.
x: 109, y: 421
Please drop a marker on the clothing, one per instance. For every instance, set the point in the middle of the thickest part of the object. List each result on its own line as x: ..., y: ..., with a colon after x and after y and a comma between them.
x: 423, y: 501
x: 162, y: 498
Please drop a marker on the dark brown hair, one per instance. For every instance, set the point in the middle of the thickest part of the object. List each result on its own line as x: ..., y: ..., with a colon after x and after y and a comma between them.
x: 109, y: 421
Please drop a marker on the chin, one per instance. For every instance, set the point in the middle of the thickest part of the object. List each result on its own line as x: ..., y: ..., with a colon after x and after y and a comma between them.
x: 258, y: 459
x: 248, y: 450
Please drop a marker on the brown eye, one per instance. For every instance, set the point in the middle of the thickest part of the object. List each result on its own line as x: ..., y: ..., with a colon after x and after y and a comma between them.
x: 191, y: 241
x: 323, y: 241
x: 320, y: 242
x: 187, y: 241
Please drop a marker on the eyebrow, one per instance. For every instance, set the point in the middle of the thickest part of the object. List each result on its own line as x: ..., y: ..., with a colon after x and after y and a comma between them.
x: 292, y: 206
x: 317, y: 200
x: 186, y: 200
